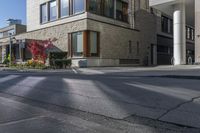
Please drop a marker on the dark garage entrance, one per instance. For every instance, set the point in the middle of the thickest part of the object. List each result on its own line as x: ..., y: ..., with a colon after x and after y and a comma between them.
x: 164, y: 50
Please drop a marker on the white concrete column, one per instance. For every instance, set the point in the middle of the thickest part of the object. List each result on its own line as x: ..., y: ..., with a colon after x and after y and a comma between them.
x: 3, y: 53
x: 197, y: 32
x: 179, y: 34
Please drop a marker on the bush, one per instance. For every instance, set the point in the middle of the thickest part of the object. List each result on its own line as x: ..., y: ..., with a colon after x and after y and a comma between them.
x: 7, y: 60
x: 39, y: 49
x: 57, y: 55
x: 59, y: 59
x: 62, y: 63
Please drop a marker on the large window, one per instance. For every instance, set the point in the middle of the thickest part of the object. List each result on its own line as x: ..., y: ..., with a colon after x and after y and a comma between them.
x: 85, y: 44
x: 189, y: 33
x: 192, y: 34
x: 78, y: 6
x: 52, y: 10
x: 121, y: 10
x: 109, y: 8
x: 64, y: 8
x: 49, y: 10
x: 77, y: 44
x: 167, y: 25
x: 95, y: 6
x: 106, y: 8
x: 93, y: 43
x: 43, y: 12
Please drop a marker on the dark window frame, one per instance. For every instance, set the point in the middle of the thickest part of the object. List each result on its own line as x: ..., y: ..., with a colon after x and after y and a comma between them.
x: 73, y: 10
x: 102, y: 9
x: 110, y: 9
x: 86, y: 44
x: 99, y: 3
x: 166, y: 25
x: 123, y: 12
x: 41, y: 13
x: 190, y: 35
x: 97, y: 47
x: 60, y: 9
x: 49, y: 9
x: 80, y: 54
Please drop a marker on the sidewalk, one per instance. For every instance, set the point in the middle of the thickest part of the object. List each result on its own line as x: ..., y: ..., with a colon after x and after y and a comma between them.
x: 190, y: 70
x: 7, y: 69
x: 176, y: 71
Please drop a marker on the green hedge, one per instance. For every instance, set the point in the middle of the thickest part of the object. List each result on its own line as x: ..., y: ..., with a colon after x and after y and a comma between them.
x: 62, y: 63
x: 59, y: 59
x: 58, y: 55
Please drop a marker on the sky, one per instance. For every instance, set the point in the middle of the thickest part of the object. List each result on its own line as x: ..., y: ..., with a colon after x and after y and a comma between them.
x: 15, y: 9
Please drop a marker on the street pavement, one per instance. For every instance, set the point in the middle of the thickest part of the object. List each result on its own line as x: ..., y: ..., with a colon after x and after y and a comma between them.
x: 141, y: 100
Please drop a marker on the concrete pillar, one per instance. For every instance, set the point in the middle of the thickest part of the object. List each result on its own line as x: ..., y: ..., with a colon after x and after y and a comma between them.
x: 179, y: 34
x: 197, y: 31
x: 3, y: 52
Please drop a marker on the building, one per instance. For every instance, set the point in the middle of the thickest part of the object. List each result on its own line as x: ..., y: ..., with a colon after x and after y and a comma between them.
x: 12, y: 30
x: 116, y: 32
x: 95, y: 32
x: 177, y: 30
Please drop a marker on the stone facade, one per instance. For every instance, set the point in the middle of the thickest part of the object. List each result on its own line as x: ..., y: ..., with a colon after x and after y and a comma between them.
x: 60, y: 32
x: 33, y: 14
x: 120, y: 42
x: 111, y: 49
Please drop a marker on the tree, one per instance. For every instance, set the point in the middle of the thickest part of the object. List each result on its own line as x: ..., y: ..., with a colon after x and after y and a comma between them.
x: 39, y: 49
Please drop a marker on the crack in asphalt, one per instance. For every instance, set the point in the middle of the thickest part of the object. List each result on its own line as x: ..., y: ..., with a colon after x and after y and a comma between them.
x: 75, y: 112
x: 178, y: 106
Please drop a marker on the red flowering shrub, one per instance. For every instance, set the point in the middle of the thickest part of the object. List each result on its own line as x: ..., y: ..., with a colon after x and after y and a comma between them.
x: 39, y: 49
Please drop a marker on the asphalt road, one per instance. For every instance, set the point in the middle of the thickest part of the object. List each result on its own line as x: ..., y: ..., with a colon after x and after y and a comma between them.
x: 140, y: 100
